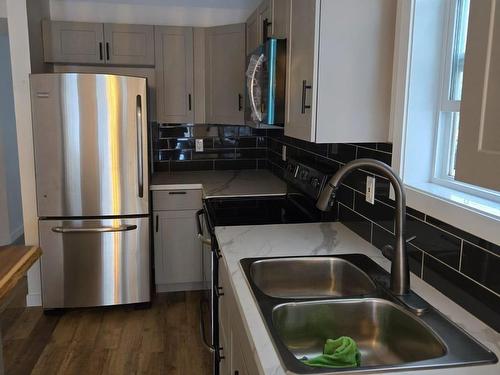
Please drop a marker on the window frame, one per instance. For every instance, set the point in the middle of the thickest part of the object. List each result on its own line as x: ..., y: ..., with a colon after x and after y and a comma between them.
x: 468, y: 212
x: 448, y: 109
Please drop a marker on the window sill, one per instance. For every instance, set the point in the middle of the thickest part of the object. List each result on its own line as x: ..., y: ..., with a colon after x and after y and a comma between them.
x: 478, y: 216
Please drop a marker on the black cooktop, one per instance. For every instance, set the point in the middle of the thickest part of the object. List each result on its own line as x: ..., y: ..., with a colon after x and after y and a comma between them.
x: 261, y: 210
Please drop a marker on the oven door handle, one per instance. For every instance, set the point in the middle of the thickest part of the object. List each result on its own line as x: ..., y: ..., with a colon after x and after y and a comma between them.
x: 201, y: 237
x: 204, y: 340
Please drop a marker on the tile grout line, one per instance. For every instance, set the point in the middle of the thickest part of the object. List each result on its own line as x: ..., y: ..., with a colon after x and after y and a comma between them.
x: 368, y: 148
x: 422, y: 266
x: 461, y: 255
x: 460, y: 273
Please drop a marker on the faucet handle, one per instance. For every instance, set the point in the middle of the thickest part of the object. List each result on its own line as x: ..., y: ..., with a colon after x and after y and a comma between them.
x: 388, y: 250
x: 408, y: 240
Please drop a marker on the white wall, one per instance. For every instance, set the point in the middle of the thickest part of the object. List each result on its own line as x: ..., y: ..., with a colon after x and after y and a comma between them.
x: 21, y: 68
x: 11, y: 220
x: 154, y: 12
x: 3, y: 9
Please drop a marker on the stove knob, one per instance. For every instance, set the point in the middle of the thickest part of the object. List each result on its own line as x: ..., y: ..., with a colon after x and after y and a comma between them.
x: 315, y: 182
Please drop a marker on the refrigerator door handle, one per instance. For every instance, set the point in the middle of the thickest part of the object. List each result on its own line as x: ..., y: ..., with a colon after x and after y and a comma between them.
x: 140, y: 165
x: 121, y: 228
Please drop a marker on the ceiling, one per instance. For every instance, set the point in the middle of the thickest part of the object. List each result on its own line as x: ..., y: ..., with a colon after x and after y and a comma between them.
x: 226, y: 4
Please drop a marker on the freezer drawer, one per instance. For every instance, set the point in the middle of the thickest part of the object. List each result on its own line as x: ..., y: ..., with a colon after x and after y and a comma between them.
x: 95, y: 262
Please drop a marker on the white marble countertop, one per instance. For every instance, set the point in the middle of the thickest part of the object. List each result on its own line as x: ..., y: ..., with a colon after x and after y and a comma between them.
x: 322, y: 239
x: 215, y: 184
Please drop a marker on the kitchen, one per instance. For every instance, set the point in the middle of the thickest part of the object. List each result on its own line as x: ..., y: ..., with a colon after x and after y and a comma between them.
x: 232, y: 187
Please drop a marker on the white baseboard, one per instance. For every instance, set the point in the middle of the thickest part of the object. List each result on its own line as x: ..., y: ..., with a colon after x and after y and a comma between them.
x: 33, y: 300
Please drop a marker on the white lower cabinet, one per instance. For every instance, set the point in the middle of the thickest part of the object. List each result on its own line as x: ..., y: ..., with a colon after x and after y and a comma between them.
x: 178, y: 253
x: 238, y: 366
x: 236, y: 348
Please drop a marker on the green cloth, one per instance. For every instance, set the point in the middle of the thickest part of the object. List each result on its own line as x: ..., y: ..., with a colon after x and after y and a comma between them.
x: 340, y: 353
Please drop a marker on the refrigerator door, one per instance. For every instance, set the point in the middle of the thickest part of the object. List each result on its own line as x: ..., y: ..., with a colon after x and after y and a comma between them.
x: 90, y: 138
x: 95, y: 262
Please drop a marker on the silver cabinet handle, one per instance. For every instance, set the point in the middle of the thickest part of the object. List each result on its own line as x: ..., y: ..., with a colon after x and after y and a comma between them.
x: 140, y: 166
x: 305, y: 87
x: 121, y: 228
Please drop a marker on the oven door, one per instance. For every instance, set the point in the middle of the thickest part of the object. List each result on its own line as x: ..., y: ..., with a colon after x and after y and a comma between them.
x: 207, y: 238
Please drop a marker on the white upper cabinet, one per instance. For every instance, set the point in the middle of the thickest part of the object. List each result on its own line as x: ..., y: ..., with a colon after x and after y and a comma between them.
x: 339, y: 76
x: 269, y: 20
x: 254, y: 32
x: 174, y: 74
x: 129, y: 44
x: 479, y: 136
x: 300, y: 70
x: 97, y: 43
x: 225, y: 74
x: 70, y: 42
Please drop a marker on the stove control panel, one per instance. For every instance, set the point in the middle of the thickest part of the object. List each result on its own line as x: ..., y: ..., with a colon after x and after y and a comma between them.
x: 307, y: 179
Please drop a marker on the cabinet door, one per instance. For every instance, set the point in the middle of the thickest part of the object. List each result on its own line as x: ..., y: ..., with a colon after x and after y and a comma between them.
x: 73, y: 42
x: 225, y: 360
x: 238, y: 366
x: 226, y: 74
x: 177, y: 251
x: 174, y: 74
x: 300, y: 73
x: 280, y: 10
x: 253, y: 32
x: 265, y: 20
x: 129, y: 44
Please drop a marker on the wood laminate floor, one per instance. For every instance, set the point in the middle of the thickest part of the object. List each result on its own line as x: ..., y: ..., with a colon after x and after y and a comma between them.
x: 120, y: 340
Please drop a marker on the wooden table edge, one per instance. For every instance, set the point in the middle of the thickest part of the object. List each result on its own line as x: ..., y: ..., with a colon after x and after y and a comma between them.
x: 11, y: 278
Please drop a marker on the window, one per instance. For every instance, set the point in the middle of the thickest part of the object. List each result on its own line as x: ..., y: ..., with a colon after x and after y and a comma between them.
x: 431, y: 49
x: 455, y: 44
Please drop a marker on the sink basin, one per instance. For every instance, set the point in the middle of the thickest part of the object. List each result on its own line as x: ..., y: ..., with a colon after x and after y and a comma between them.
x: 385, y: 333
x: 306, y: 300
x: 307, y: 277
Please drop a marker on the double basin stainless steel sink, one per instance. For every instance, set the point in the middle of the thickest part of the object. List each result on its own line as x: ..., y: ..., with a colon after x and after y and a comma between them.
x: 306, y: 300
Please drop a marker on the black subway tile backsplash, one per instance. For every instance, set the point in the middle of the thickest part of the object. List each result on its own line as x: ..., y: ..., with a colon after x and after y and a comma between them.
x: 175, y: 144
x: 345, y: 196
x: 459, y: 264
x: 355, y: 222
x: 467, y: 293
x: 165, y: 155
x: 482, y: 266
x: 466, y: 236
x: 439, y: 244
x: 380, y: 213
x: 214, y: 154
x: 415, y: 213
x: 387, y: 147
x: 342, y: 152
x: 374, y: 154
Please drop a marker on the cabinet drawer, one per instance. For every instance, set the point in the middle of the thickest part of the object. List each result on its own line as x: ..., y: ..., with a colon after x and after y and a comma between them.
x: 177, y: 200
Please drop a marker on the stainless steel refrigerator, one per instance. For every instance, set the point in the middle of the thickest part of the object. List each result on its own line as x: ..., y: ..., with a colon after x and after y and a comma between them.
x: 90, y: 146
